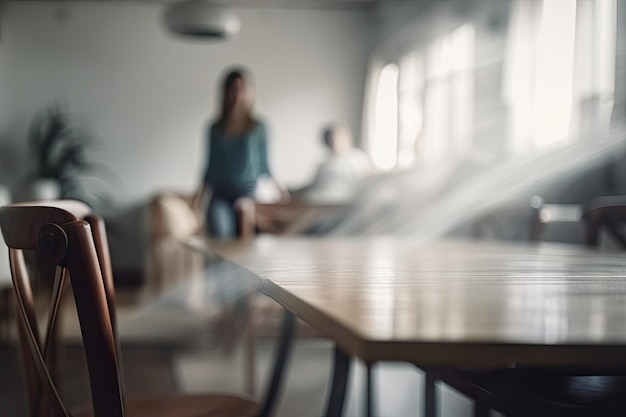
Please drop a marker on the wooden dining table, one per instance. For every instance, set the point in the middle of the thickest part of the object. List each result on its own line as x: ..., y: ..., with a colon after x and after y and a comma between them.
x: 446, y: 303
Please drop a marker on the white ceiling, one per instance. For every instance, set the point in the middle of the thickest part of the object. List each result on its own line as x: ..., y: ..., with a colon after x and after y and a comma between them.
x: 297, y: 4
x: 282, y: 4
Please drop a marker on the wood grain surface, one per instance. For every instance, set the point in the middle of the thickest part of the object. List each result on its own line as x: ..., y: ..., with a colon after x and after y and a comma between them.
x: 449, y: 303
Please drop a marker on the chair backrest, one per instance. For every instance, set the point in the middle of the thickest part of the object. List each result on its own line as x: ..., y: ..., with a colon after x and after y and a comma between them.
x: 73, y: 240
x: 605, y: 213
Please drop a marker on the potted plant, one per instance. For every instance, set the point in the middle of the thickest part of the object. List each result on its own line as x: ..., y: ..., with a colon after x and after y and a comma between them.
x: 61, y: 168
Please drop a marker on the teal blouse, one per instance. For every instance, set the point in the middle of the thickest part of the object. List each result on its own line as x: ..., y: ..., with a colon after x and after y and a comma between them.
x: 236, y: 162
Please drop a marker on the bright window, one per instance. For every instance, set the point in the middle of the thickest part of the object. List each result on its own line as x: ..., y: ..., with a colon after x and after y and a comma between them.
x: 554, y: 72
x: 411, y: 109
x: 449, y: 95
x: 424, y: 105
x: 560, y: 71
x: 384, y: 148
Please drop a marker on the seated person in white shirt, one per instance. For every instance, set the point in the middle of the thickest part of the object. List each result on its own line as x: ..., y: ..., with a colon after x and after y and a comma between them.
x: 339, y: 176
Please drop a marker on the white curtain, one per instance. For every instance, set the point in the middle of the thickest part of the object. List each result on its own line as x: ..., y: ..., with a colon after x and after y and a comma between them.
x: 594, y: 74
x: 374, y: 68
x: 559, y: 71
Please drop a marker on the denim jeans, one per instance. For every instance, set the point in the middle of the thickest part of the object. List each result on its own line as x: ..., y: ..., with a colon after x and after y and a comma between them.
x: 221, y: 215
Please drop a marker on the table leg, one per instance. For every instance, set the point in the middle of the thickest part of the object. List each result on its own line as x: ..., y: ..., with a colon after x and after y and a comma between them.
x: 369, y: 391
x: 341, y: 370
x: 480, y: 410
x: 430, y: 392
x: 280, y: 364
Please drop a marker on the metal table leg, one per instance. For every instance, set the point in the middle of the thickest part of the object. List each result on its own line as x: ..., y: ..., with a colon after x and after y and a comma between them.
x: 430, y: 392
x: 369, y: 391
x: 480, y: 409
x: 337, y: 396
x: 280, y: 364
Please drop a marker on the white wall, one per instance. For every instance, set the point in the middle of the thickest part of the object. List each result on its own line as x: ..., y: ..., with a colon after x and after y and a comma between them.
x: 148, y: 95
x: 7, y: 144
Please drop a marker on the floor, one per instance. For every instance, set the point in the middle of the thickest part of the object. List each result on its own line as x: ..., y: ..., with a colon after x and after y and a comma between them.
x: 168, y: 347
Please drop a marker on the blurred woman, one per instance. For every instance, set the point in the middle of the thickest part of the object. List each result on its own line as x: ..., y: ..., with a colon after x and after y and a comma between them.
x: 237, y: 158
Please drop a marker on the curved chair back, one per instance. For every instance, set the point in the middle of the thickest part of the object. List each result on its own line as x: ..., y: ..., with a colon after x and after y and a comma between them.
x: 74, y: 240
x: 605, y: 213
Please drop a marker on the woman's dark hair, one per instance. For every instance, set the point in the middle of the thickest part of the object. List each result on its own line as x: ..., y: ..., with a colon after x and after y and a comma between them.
x: 228, y: 81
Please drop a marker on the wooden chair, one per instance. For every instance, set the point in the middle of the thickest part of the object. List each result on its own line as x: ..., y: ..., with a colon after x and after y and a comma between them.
x: 74, y: 241
x: 521, y: 392
x: 605, y: 213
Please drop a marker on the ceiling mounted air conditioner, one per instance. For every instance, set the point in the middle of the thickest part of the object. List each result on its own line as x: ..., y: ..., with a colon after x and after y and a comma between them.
x: 202, y: 19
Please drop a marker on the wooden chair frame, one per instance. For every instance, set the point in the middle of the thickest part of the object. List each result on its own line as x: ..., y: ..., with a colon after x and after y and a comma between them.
x: 605, y: 213
x: 73, y: 241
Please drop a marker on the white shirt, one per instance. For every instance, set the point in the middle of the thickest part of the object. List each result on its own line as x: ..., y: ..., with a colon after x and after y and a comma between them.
x: 339, y: 177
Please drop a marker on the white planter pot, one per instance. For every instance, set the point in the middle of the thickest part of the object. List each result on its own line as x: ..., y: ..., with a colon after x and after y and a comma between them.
x: 45, y: 189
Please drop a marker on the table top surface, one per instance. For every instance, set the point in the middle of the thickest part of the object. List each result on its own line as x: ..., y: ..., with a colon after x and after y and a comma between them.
x: 449, y: 302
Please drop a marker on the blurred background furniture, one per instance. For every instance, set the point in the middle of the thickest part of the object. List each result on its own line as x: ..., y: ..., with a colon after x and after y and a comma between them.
x: 546, y: 213
x: 288, y: 218
x: 172, y: 220
x: 533, y: 219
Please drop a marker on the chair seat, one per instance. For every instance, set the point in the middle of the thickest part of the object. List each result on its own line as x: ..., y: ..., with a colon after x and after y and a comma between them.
x: 182, y: 406
x: 554, y: 394
x: 580, y: 390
